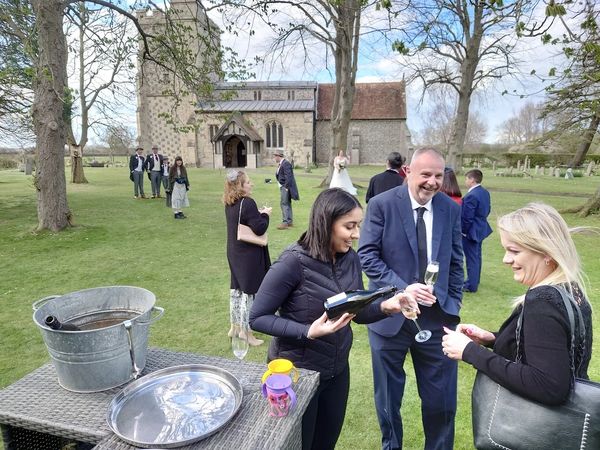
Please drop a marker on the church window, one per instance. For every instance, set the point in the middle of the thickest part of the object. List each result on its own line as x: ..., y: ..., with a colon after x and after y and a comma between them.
x: 291, y: 95
x: 212, y: 130
x: 274, y: 135
x: 257, y: 95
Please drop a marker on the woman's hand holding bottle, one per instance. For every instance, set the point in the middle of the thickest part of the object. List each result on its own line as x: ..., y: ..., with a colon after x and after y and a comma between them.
x: 323, y: 325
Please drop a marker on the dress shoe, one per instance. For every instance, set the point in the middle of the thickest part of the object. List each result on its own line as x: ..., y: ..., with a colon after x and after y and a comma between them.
x: 465, y: 289
x: 283, y: 226
x: 290, y: 224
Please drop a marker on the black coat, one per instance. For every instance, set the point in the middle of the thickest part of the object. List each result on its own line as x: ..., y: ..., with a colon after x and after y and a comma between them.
x: 248, y: 263
x: 382, y: 182
x: 285, y: 177
x: 296, y: 287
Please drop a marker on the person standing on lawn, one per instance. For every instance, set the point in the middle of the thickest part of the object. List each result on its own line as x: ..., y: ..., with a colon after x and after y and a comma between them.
x: 405, y: 228
x: 288, y: 190
x: 476, y: 207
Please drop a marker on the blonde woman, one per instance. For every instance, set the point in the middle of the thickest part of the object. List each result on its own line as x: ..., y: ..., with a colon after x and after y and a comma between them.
x: 541, y: 253
x: 248, y: 263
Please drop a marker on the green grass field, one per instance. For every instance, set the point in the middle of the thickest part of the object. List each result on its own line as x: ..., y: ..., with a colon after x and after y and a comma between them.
x: 121, y: 241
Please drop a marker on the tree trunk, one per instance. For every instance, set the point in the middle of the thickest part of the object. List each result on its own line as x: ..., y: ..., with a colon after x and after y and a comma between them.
x: 591, y: 206
x: 467, y: 76
x: 346, y: 58
x: 77, y: 175
x: 588, y: 137
x: 51, y: 71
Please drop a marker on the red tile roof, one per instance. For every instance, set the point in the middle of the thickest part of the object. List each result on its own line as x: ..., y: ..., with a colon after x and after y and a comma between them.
x: 371, y: 101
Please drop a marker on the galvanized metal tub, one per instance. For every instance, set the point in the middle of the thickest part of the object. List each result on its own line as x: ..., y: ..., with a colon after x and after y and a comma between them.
x: 110, y: 349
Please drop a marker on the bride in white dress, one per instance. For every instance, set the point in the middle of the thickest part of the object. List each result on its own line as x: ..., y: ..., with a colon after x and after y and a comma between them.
x: 340, y: 177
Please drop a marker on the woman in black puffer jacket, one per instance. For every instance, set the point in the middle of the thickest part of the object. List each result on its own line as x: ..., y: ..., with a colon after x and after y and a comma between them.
x: 321, y: 264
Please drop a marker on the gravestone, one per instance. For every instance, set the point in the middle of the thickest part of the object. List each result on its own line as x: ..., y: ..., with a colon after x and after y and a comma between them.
x: 590, y: 169
x: 518, y: 165
x: 537, y: 169
x: 557, y: 172
x: 569, y: 174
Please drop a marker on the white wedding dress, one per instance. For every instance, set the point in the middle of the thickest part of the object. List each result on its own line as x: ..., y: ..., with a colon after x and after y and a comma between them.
x: 341, y: 178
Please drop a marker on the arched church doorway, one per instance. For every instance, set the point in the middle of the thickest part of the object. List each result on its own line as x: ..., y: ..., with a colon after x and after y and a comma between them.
x: 234, y: 153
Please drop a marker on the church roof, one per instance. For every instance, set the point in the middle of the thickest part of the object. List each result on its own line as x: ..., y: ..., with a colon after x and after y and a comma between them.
x: 247, y: 128
x: 371, y: 101
x: 256, y: 105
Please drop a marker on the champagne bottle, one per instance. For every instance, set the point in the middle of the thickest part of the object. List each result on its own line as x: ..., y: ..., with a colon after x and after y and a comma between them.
x: 353, y: 301
x: 55, y: 324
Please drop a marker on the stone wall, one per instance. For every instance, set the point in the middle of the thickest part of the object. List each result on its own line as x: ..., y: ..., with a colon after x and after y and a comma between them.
x: 297, y: 135
x: 369, y: 141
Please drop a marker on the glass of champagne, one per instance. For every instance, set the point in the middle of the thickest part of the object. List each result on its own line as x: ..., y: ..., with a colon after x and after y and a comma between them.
x: 239, y: 338
x: 410, y: 313
x: 431, y: 275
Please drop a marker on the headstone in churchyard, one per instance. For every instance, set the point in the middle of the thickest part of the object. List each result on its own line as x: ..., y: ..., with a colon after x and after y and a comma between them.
x: 590, y: 169
x: 569, y: 174
x: 28, y: 165
x: 494, y: 167
x: 557, y: 172
x: 537, y: 169
x: 527, y: 163
x: 510, y: 170
x: 518, y: 165
x: 542, y: 170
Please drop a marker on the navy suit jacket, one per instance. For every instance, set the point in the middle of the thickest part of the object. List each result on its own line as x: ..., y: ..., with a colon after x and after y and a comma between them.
x: 476, y: 206
x: 388, y: 250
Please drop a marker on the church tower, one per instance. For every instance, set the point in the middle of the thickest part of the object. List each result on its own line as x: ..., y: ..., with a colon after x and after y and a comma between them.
x: 166, y: 103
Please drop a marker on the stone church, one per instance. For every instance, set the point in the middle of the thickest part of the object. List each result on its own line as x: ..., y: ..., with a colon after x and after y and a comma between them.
x: 259, y: 117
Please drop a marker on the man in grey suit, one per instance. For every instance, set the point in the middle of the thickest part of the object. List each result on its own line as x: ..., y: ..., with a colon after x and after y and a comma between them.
x: 405, y: 228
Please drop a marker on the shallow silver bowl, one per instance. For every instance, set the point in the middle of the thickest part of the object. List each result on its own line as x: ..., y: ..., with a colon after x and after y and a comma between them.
x: 175, y: 406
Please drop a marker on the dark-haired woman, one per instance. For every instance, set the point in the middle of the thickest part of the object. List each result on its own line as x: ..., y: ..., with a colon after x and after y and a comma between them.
x: 289, y: 306
x: 450, y: 186
x: 178, y: 180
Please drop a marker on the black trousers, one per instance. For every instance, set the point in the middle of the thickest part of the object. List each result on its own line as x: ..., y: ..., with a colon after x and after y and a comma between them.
x: 323, y: 419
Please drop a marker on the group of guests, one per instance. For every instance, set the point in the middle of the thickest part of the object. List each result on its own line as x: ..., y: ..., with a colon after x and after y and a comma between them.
x: 159, y: 170
x: 403, y: 229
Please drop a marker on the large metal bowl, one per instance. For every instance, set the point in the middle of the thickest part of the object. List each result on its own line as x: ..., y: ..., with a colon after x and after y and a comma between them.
x: 175, y: 406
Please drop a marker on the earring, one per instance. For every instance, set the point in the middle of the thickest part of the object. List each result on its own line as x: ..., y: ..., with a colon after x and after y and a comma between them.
x: 547, y: 261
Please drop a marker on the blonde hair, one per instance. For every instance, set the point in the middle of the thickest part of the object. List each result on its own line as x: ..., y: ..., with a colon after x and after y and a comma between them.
x: 541, y: 229
x: 233, y: 186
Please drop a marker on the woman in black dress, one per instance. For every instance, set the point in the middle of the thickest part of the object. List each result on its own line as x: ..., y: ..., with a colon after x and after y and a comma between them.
x: 248, y: 263
x: 541, y: 253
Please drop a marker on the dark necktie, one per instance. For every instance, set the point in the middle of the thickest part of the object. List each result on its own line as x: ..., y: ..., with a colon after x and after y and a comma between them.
x: 421, y: 243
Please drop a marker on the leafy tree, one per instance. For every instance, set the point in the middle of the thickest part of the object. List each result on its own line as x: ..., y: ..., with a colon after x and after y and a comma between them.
x: 52, y: 101
x: 101, y: 52
x: 575, y: 95
x: 462, y: 44
x: 119, y: 139
x: 17, y: 54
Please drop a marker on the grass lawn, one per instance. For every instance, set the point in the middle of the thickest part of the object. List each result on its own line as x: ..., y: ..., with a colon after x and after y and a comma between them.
x: 121, y: 241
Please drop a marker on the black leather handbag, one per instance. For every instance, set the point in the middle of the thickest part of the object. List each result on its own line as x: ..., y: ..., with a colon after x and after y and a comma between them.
x: 505, y: 420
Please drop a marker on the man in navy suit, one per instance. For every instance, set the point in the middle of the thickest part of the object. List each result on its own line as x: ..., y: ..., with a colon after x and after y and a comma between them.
x: 403, y: 229
x: 288, y: 190
x: 386, y: 180
x: 476, y: 206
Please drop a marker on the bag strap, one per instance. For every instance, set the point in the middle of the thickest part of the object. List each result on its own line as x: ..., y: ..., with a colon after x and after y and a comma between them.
x: 570, y: 305
x: 240, y: 212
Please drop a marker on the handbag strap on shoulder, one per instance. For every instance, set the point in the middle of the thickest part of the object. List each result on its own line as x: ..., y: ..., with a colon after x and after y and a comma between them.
x: 240, y: 212
x: 570, y: 306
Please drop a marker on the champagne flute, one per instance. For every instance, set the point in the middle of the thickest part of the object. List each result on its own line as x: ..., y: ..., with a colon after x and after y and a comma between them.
x: 410, y: 313
x: 239, y: 338
x: 431, y: 275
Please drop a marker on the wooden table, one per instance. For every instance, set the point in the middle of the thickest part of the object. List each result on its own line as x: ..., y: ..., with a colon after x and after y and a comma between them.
x: 36, y: 413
